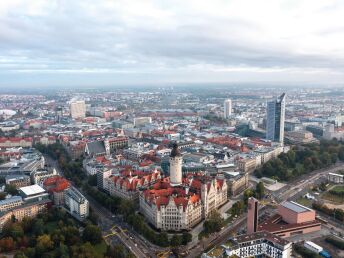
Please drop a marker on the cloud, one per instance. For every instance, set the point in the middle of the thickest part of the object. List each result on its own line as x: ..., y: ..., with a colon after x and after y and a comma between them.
x: 239, y: 39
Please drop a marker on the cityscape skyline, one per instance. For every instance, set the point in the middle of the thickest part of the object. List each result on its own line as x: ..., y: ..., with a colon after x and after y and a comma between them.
x: 143, y: 42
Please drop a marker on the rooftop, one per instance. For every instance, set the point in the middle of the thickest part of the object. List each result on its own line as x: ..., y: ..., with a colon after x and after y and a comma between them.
x: 32, y: 190
x: 295, y: 207
x: 261, y: 235
x: 11, y: 199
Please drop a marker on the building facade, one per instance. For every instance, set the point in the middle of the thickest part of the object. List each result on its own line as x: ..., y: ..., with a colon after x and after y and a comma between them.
x: 78, y: 109
x: 77, y: 205
x: 259, y: 244
x: 227, y: 108
x: 128, y: 183
x: 10, y: 203
x: 275, y: 117
x: 26, y: 210
x: 185, y: 202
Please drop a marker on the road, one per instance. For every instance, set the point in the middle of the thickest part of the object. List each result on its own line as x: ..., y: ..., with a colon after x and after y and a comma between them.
x: 107, y: 220
x: 286, y: 193
x: 304, y: 181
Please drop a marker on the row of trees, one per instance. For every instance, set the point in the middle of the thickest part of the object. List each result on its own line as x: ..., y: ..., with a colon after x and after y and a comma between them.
x: 335, y: 213
x: 337, y: 191
x: 335, y: 242
x: 72, y: 169
x: 302, y: 160
x: 52, y: 234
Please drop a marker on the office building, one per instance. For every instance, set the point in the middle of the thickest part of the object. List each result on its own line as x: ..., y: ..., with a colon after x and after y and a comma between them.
x: 78, y: 109
x: 252, y: 215
x: 227, y: 106
x: 275, y: 116
x: 77, y: 205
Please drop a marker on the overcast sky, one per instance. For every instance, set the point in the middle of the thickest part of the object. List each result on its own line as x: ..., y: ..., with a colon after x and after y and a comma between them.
x: 114, y: 42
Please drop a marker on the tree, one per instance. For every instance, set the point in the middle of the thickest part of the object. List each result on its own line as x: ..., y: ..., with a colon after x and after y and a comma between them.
x: 11, y: 189
x: 92, y: 234
x: 38, y: 227
x: 44, y: 244
x: 20, y: 255
x: 214, y: 223
x: 176, y: 240
x: 6, y: 244
x: 186, y: 238
x: 260, y: 190
x: 27, y: 224
x: 2, y: 196
x: 237, y: 208
x: 247, y: 194
x: 84, y: 251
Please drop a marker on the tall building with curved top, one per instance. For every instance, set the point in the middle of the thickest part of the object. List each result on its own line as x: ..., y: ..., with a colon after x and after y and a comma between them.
x: 275, y: 116
x: 176, y: 161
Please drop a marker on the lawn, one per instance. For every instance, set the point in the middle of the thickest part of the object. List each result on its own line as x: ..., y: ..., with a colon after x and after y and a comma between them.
x: 333, y: 197
x: 305, y: 202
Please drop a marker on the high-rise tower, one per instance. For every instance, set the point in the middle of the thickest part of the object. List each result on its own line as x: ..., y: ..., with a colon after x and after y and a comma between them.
x: 78, y: 109
x: 252, y: 215
x: 176, y: 161
x: 227, y: 108
x: 275, y: 116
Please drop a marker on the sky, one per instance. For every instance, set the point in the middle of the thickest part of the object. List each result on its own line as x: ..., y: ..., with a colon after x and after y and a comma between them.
x: 83, y: 43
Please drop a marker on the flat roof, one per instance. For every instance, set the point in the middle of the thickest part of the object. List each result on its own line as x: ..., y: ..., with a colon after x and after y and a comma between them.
x: 32, y: 190
x: 295, y: 207
x: 260, y: 235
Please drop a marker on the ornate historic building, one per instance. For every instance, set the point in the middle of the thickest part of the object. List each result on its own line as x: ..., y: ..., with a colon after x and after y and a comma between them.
x: 178, y: 203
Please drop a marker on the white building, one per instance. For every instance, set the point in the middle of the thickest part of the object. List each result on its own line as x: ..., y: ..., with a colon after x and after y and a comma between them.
x: 76, y: 203
x: 258, y: 244
x: 78, y: 109
x: 227, y: 106
x: 176, y: 161
x: 140, y: 121
x: 38, y: 177
x: 335, y: 178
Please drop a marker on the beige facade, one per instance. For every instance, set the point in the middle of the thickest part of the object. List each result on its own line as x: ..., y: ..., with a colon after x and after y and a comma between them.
x: 238, y: 184
x: 247, y: 165
x: 78, y: 109
x: 26, y: 210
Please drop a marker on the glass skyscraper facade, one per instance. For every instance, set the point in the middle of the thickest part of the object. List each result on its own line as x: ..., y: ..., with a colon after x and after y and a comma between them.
x: 275, y: 116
